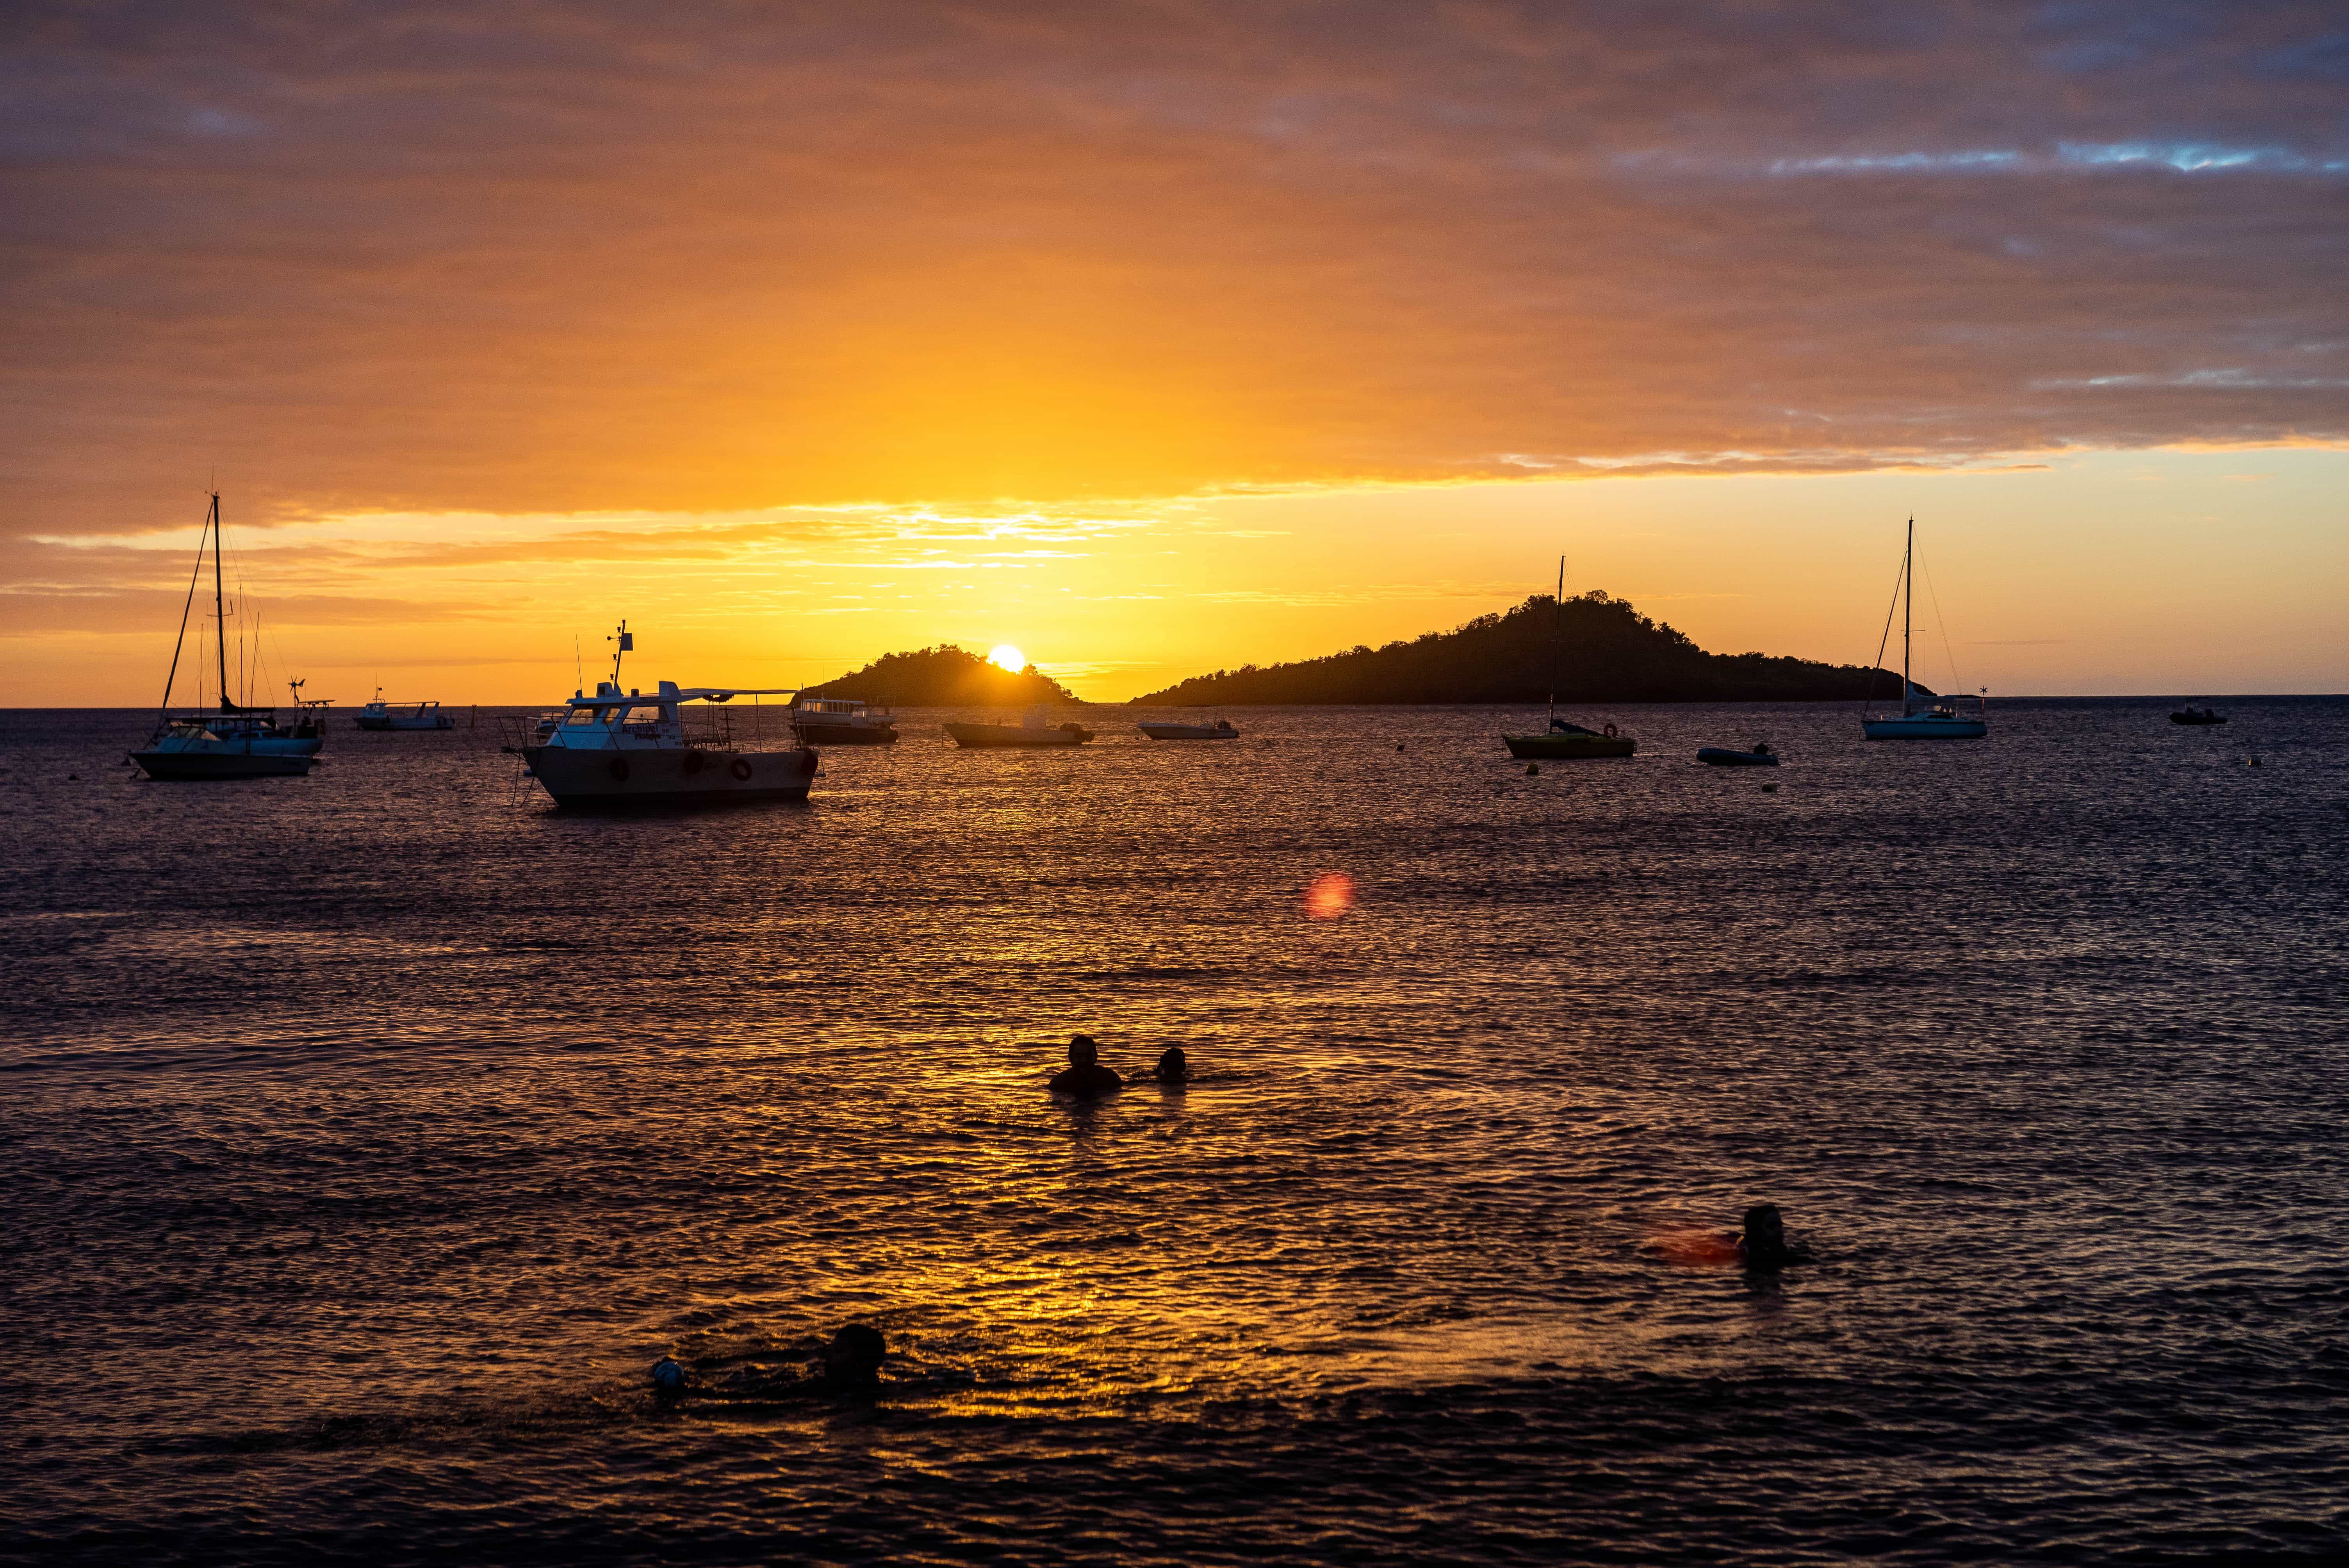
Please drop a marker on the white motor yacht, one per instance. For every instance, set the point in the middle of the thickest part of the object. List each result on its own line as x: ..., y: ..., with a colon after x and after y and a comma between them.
x: 632, y: 749
x: 842, y: 721
x: 381, y: 715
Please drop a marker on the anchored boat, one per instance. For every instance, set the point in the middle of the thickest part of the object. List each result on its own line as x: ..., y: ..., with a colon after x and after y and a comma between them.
x: 621, y: 749
x: 1034, y: 730
x: 1564, y: 740
x: 230, y: 739
x: 380, y: 715
x: 1939, y: 719
x: 1759, y: 756
x: 1220, y: 730
x: 842, y: 721
x: 2191, y: 715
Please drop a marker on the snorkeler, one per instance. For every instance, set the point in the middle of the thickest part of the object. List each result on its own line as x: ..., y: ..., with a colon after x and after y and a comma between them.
x: 1174, y: 1066
x: 1762, y: 1243
x: 1085, y: 1076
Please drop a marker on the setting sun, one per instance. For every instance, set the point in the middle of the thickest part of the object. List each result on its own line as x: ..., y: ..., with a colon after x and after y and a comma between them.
x: 1008, y: 656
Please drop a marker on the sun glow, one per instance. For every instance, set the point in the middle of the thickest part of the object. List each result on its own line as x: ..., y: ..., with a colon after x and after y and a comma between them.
x: 1008, y: 656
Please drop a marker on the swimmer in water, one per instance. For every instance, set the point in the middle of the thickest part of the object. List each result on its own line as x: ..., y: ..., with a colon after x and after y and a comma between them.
x: 1084, y: 1077
x: 1174, y: 1066
x: 1762, y: 1243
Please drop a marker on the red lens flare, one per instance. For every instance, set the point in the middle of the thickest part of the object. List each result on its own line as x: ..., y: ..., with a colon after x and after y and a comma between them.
x: 1330, y: 895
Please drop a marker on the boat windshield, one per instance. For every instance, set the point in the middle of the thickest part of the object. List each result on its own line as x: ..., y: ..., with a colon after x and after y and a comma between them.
x: 584, y: 716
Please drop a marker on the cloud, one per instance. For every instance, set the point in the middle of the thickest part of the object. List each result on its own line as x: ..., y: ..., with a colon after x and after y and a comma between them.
x: 551, y: 258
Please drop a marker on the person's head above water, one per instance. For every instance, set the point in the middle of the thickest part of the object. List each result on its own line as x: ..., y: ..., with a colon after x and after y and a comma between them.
x: 1082, y: 1052
x: 1765, y: 1237
x: 1174, y: 1066
x: 854, y: 1354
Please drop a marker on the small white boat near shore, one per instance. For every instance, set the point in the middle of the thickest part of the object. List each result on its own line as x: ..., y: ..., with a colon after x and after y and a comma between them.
x: 380, y: 715
x: 1035, y: 729
x: 1220, y: 730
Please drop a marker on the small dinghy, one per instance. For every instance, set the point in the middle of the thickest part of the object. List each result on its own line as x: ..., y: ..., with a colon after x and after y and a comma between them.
x: 2197, y: 716
x: 1759, y: 755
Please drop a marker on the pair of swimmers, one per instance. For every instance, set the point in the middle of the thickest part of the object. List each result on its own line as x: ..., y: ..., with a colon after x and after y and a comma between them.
x: 1085, y: 1077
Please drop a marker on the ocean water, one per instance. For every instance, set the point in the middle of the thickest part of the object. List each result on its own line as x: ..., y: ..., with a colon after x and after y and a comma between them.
x: 365, y: 1136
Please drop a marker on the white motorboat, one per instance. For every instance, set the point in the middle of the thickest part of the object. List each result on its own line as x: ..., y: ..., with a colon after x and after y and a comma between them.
x: 1922, y: 716
x: 1035, y: 729
x: 1220, y: 730
x: 228, y: 740
x: 380, y: 715
x: 623, y: 749
x: 843, y: 721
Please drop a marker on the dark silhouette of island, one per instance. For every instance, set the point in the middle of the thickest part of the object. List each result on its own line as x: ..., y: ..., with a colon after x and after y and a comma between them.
x: 945, y: 677
x: 1601, y: 649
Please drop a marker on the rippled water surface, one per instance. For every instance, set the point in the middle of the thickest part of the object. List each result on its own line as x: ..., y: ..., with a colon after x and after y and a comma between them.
x: 365, y: 1136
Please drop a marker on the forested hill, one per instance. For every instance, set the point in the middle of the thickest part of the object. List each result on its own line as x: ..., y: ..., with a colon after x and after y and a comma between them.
x: 1602, y: 649
x: 944, y: 677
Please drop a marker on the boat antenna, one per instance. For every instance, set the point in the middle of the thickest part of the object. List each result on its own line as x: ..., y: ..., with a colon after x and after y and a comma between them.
x: 194, y: 576
x: 578, y: 668
x: 220, y: 610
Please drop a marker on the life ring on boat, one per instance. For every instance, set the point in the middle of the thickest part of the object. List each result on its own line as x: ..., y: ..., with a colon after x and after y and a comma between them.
x: 694, y: 761
x: 742, y: 768
x: 1609, y: 732
x: 620, y: 769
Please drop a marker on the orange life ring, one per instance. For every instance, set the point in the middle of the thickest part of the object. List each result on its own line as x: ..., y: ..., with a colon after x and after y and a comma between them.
x: 620, y: 769
x: 742, y: 768
x: 694, y: 761
x: 1609, y: 732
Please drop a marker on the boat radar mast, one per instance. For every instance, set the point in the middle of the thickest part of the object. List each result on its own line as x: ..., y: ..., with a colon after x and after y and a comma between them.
x: 627, y: 644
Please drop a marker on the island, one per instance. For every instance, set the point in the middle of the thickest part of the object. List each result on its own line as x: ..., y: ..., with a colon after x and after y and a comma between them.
x: 1593, y: 648
x: 945, y: 677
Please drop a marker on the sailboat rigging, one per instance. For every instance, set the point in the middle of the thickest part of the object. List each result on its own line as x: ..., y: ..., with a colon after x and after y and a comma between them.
x: 1940, y: 720
x: 233, y: 740
x: 1561, y: 738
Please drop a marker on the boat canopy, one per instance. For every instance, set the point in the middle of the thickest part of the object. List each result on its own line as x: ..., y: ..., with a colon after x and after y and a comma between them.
x: 610, y: 696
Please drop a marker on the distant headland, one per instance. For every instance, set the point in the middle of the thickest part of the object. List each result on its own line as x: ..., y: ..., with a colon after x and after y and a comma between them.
x: 945, y: 677
x: 1601, y: 649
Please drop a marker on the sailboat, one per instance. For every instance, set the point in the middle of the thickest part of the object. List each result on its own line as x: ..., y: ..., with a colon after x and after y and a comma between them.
x: 1562, y: 739
x: 1939, y: 718
x: 232, y: 741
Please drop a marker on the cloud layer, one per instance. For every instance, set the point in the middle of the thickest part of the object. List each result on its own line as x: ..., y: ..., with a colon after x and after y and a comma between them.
x: 538, y: 257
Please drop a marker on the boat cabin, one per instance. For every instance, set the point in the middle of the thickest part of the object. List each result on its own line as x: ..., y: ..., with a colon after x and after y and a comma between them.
x: 611, y: 720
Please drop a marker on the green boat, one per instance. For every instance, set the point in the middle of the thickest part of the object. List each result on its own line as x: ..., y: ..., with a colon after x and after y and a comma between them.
x: 1562, y: 740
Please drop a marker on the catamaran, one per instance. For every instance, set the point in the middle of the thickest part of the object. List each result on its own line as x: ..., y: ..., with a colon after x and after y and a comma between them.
x: 1939, y: 719
x: 621, y: 749
x: 1563, y: 738
x: 230, y: 739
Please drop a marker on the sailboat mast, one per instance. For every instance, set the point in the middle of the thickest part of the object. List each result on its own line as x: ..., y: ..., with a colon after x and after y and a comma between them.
x: 1556, y: 633
x: 1908, y: 599
x: 220, y: 610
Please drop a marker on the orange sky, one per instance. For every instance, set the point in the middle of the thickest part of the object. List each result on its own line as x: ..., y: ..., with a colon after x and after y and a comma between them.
x: 1155, y: 338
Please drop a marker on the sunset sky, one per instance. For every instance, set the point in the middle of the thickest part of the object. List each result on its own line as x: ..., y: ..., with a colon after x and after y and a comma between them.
x: 1158, y: 338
